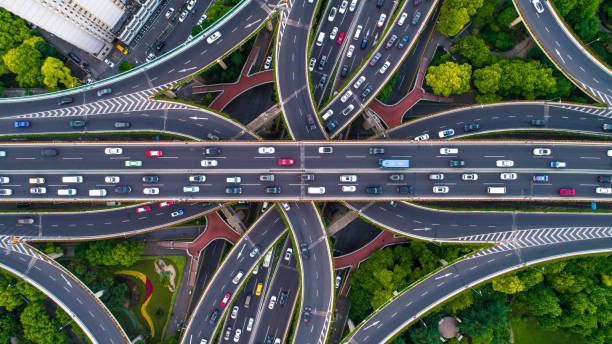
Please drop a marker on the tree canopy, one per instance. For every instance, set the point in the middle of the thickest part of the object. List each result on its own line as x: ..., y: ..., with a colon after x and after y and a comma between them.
x: 455, y: 14
x: 111, y: 252
x: 39, y: 327
x: 449, y: 78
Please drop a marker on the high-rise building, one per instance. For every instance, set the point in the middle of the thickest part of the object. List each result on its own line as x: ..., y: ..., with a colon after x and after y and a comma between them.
x: 87, y: 24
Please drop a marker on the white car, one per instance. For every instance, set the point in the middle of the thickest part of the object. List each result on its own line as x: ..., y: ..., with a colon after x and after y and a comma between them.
x: 288, y: 254
x: 234, y: 312
x: 266, y: 150
x: 191, y: 188
x: 333, y: 33
x: 169, y: 12
x: 381, y: 20
x: 237, y: 335
x: 113, y: 151
x: 422, y: 137
x: 183, y: 16
x: 504, y: 163
x: 440, y: 189
x: 212, y: 38
x: 436, y: 176
x: 286, y: 206
x: 605, y: 191
x: 384, y: 67
x: 109, y: 63
x: 112, y: 179
x: 2, y: 154
x: 446, y: 133
x: 541, y: 151
x: 332, y: 14
x: 326, y: 150
x: 359, y: 81
x: 197, y: 178
x: 508, y: 176
x: 190, y: 4
x: 609, y: 152
x: 469, y: 176
x: 209, y: 163
x: 353, y: 5
x: 346, y: 96
x: 43, y: 190
x: 402, y: 19
x: 349, y: 188
x: 343, y: 7
x: 446, y: 151
x: 348, y: 178
x: 150, y: 191
x: 349, y: 52
x: 5, y: 180
x: 312, y: 64
x: 272, y: 302
x: 538, y: 6
x: 268, y: 62
x: 36, y: 180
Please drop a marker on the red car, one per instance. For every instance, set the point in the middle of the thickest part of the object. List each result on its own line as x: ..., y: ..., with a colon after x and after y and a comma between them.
x: 225, y: 300
x: 286, y: 162
x: 154, y: 153
x: 567, y: 192
x: 165, y: 204
x: 340, y: 38
x: 142, y: 209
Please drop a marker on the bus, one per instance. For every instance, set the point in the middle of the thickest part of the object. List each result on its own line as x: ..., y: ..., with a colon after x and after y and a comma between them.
x: 393, y: 163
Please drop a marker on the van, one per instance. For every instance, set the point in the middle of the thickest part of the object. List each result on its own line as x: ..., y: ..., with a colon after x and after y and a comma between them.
x: 357, y: 32
x: 320, y: 39
x: 267, y: 259
x: 327, y: 114
x: 97, y: 192
x: 496, y: 190
x: 247, y: 301
x: 66, y: 192
x: 72, y: 179
x: 318, y: 190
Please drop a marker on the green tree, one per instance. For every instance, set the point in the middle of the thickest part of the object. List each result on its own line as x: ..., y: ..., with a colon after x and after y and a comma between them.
x: 29, y: 291
x: 119, y: 294
x: 564, y: 6
x: 125, y: 66
x: 39, y: 327
x: 111, y: 252
x: 9, y: 326
x: 486, y: 80
x: 542, y: 301
x: 449, y: 78
x: 507, y: 16
x: 476, y: 50
x: 508, y: 284
x: 485, y: 13
x: 63, y: 318
x: 10, y: 298
x: 455, y: 14
x: 13, y: 31
x: 54, y: 72
x: 25, y: 61
x: 487, y: 320
x: 460, y: 302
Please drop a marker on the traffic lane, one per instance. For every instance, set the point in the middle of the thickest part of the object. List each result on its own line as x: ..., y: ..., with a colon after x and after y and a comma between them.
x: 64, y: 289
x: 263, y: 233
x: 183, y: 30
x: 101, y: 224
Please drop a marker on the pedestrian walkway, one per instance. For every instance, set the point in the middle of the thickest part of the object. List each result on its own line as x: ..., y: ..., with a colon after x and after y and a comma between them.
x: 392, y: 114
x: 354, y: 258
x: 245, y: 82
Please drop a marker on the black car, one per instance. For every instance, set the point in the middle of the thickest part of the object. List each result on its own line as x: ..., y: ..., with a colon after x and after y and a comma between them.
x: 213, y: 316
x: 233, y: 190
x: 456, y: 163
x: 77, y: 124
x: 377, y: 150
x: 538, y: 122
x: 305, y: 251
x: 306, y: 315
x: 604, y: 179
x: 65, y: 100
x: 366, y: 92
x: 311, y: 121
x: 374, y: 189
x: 307, y: 177
x: 344, y: 71
x: 74, y: 57
x: 150, y: 179
x: 471, y: 127
x: 160, y: 46
x: 123, y: 189
x: 122, y: 124
x: 48, y: 152
x: 404, y: 189
x: 283, y: 297
x: 273, y: 190
x: 396, y: 177
x: 212, y: 151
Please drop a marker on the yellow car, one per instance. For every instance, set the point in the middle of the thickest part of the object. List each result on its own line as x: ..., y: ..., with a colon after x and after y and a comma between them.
x: 258, y: 289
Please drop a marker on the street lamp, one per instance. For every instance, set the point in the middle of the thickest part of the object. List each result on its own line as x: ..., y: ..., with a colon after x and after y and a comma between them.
x: 593, y: 41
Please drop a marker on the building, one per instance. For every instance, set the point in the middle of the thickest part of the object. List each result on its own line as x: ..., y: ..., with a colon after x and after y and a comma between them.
x: 87, y: 24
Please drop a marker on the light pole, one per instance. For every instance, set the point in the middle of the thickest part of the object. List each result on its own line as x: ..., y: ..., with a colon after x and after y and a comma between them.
x: 593, y: 41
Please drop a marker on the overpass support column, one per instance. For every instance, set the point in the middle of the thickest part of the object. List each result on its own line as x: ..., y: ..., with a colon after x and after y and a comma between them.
x: 233, y: 220
x: 342, y: 222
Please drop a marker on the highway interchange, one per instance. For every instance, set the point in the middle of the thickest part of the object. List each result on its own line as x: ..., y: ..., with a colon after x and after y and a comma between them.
x: 522, y: 238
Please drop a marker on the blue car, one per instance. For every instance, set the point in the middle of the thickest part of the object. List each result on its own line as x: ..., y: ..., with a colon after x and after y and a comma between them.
x: 403, y: 42
x: 22, y: 124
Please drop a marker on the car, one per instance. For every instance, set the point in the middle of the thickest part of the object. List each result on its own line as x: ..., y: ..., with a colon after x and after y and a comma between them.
x: 348, y: 178
x: 331, y: 125
x: 447, y: 151
x: 402, y: 19
x: 541, y: 151
x: 120, y: 124
x: 286, y: 162
x: 343, y: 7
x: 471, y: 127
x: 238, y: 277
x: 346, y: 96
x: 558, y: 164
x: 404, y: 189
x: 169, y: 12
x: 254, y: 251
x: 144, y: 209
x: 283, y: 297
x: 112, y: 179
x: 165, y: 204
x: 380, y: 3
x: 377, y: 150
x: 508, y: 176
x: 375, y: 58
x: 150, y: 179
x: 272, y: 190
x: 374, y: 190
x: 109, y: 63
x: 266, y: 150
x: 212, y: 151
x: 36, y: 180
x: 191, y: 188
x: 312, y: 64
x: 233, y: 190
x: 567, y: 192
x: 440, y: 189
x: 538, y: 122
x: 396, y: 177
x: 322, y: 62
x: 212, y: 38
x: 310, y: 121
x: 366, y: 92
x: 381, y: 20
x: 326, y: 150
x: 446, y: 133
x: 124, y: 189
x: 606, y: 127
x: 272, y: 302
x: 416, y: 17
x: 436, y: 176
x: 50, y: 152
x: 348, y: 188
x: 5, y: 180
x: 22, y: 124
x: 305, y: 251
x: 456, y: 163
x: 353, y: 5
x: 213, y: 316
x: 25, y: 221
x: 384, y: 67
x: 504, y: 163
x: 416, y: 2
x: 113, y: 151
x: 359, y: 82
x: 77, y: 124
x: 340, y: 38
x: 306, y: 313
x: 65, y: 100
x: 190, y: 4
x: 154, y: 153
x: 133, y: 163
x: 540, y: 178
x: 250, y: 323
x: 332, y: 14
x: 177, y: 213
x: 327, y: 114
x: 285, y: 206
x: 266, y: 177
x: 268, y: 62
x: 104, y: 91
x: 237, y: 335
x: 197, y: 178
x: 538, y: 6
x: 350, y: 50
x: 150, y: 191
x: 288, y: 254
x: 401, y: 44
x: 604, y: 179
x: 228, y: 333
x: 364, y: 42
x: 469, y: 176
x: 422, y: 137
x: 209, y: 163
x: 38, y: 191
x: 323, y: 80
x: 2, y: 154
x: 605, y: 191
x: 183, y: 15
x: 258, y: 289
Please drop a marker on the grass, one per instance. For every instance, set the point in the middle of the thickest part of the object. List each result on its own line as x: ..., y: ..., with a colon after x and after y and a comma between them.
x: 528, y: 331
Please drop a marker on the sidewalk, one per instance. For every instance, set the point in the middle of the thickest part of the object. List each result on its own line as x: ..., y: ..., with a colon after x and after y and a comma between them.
x: 245, y: 82
x: 354, y: 258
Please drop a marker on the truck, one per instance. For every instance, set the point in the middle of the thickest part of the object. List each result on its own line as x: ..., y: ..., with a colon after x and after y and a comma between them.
x: 393, y: 163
